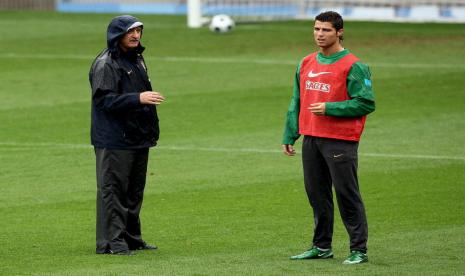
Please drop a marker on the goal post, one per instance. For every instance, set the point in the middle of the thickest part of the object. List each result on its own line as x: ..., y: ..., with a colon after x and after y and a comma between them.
x: 194, y: 13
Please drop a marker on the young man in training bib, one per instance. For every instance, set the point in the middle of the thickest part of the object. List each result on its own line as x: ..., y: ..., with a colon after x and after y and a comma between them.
x: 332, y: 96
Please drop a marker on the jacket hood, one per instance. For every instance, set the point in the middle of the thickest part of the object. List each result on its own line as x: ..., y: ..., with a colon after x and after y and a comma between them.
x: 117, y: 28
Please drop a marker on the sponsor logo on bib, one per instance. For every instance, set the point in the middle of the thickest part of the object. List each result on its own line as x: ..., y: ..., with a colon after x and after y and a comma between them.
x: 317, y: 86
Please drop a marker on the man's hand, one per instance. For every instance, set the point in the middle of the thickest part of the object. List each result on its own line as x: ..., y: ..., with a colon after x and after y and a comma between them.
x: 288, y: 150
x: 151, y: 97
x: 317, y: 108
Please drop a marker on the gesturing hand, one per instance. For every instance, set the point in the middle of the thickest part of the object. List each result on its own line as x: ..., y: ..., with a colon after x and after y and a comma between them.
x: 317, y: 108
x: 151, y: 97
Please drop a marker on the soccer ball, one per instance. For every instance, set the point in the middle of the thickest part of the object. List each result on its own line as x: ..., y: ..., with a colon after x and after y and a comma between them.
x: 221, y: 23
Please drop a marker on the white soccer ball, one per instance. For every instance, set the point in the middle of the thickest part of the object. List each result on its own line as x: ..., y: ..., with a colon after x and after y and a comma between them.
x: 221, y: 23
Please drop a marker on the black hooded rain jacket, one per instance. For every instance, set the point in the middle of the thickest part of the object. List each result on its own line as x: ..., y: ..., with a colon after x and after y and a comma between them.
x: 119, y: 120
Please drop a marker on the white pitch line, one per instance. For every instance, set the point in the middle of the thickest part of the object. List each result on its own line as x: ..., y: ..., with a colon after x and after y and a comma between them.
x: 44, y: 56
x: 230, y: 60
x: 413, y: 156
x: 167, y: 59
x: 230, y: 150
x: 227, y: 60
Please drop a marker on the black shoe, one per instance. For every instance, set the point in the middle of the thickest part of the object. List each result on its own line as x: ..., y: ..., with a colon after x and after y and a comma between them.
x: 146, y: 246
x: 123, y: 253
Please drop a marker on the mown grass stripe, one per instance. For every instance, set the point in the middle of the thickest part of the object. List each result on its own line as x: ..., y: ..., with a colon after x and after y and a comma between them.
x: 230, y: 60
x: 229, y: 150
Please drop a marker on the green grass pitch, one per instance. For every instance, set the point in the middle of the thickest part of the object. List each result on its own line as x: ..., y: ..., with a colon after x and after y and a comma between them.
x: 221, y: 199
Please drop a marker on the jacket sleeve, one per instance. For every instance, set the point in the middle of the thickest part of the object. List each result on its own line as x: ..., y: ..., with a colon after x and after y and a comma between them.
x: 362, y: 100
x: 291, y: 126
x: 105, y: 94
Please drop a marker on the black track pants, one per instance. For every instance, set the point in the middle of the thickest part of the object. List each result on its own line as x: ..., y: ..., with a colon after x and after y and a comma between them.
x: 120, y: 188
x: 327, y: 162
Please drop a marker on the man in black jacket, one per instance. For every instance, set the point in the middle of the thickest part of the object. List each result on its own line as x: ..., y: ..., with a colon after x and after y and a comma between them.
x: 124, y: 127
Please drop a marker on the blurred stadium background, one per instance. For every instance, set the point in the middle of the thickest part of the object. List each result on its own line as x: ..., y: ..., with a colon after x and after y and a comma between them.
x: 381, y: 10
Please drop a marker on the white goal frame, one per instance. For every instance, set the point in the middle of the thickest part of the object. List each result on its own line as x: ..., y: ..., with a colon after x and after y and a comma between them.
x: 372, y: 10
